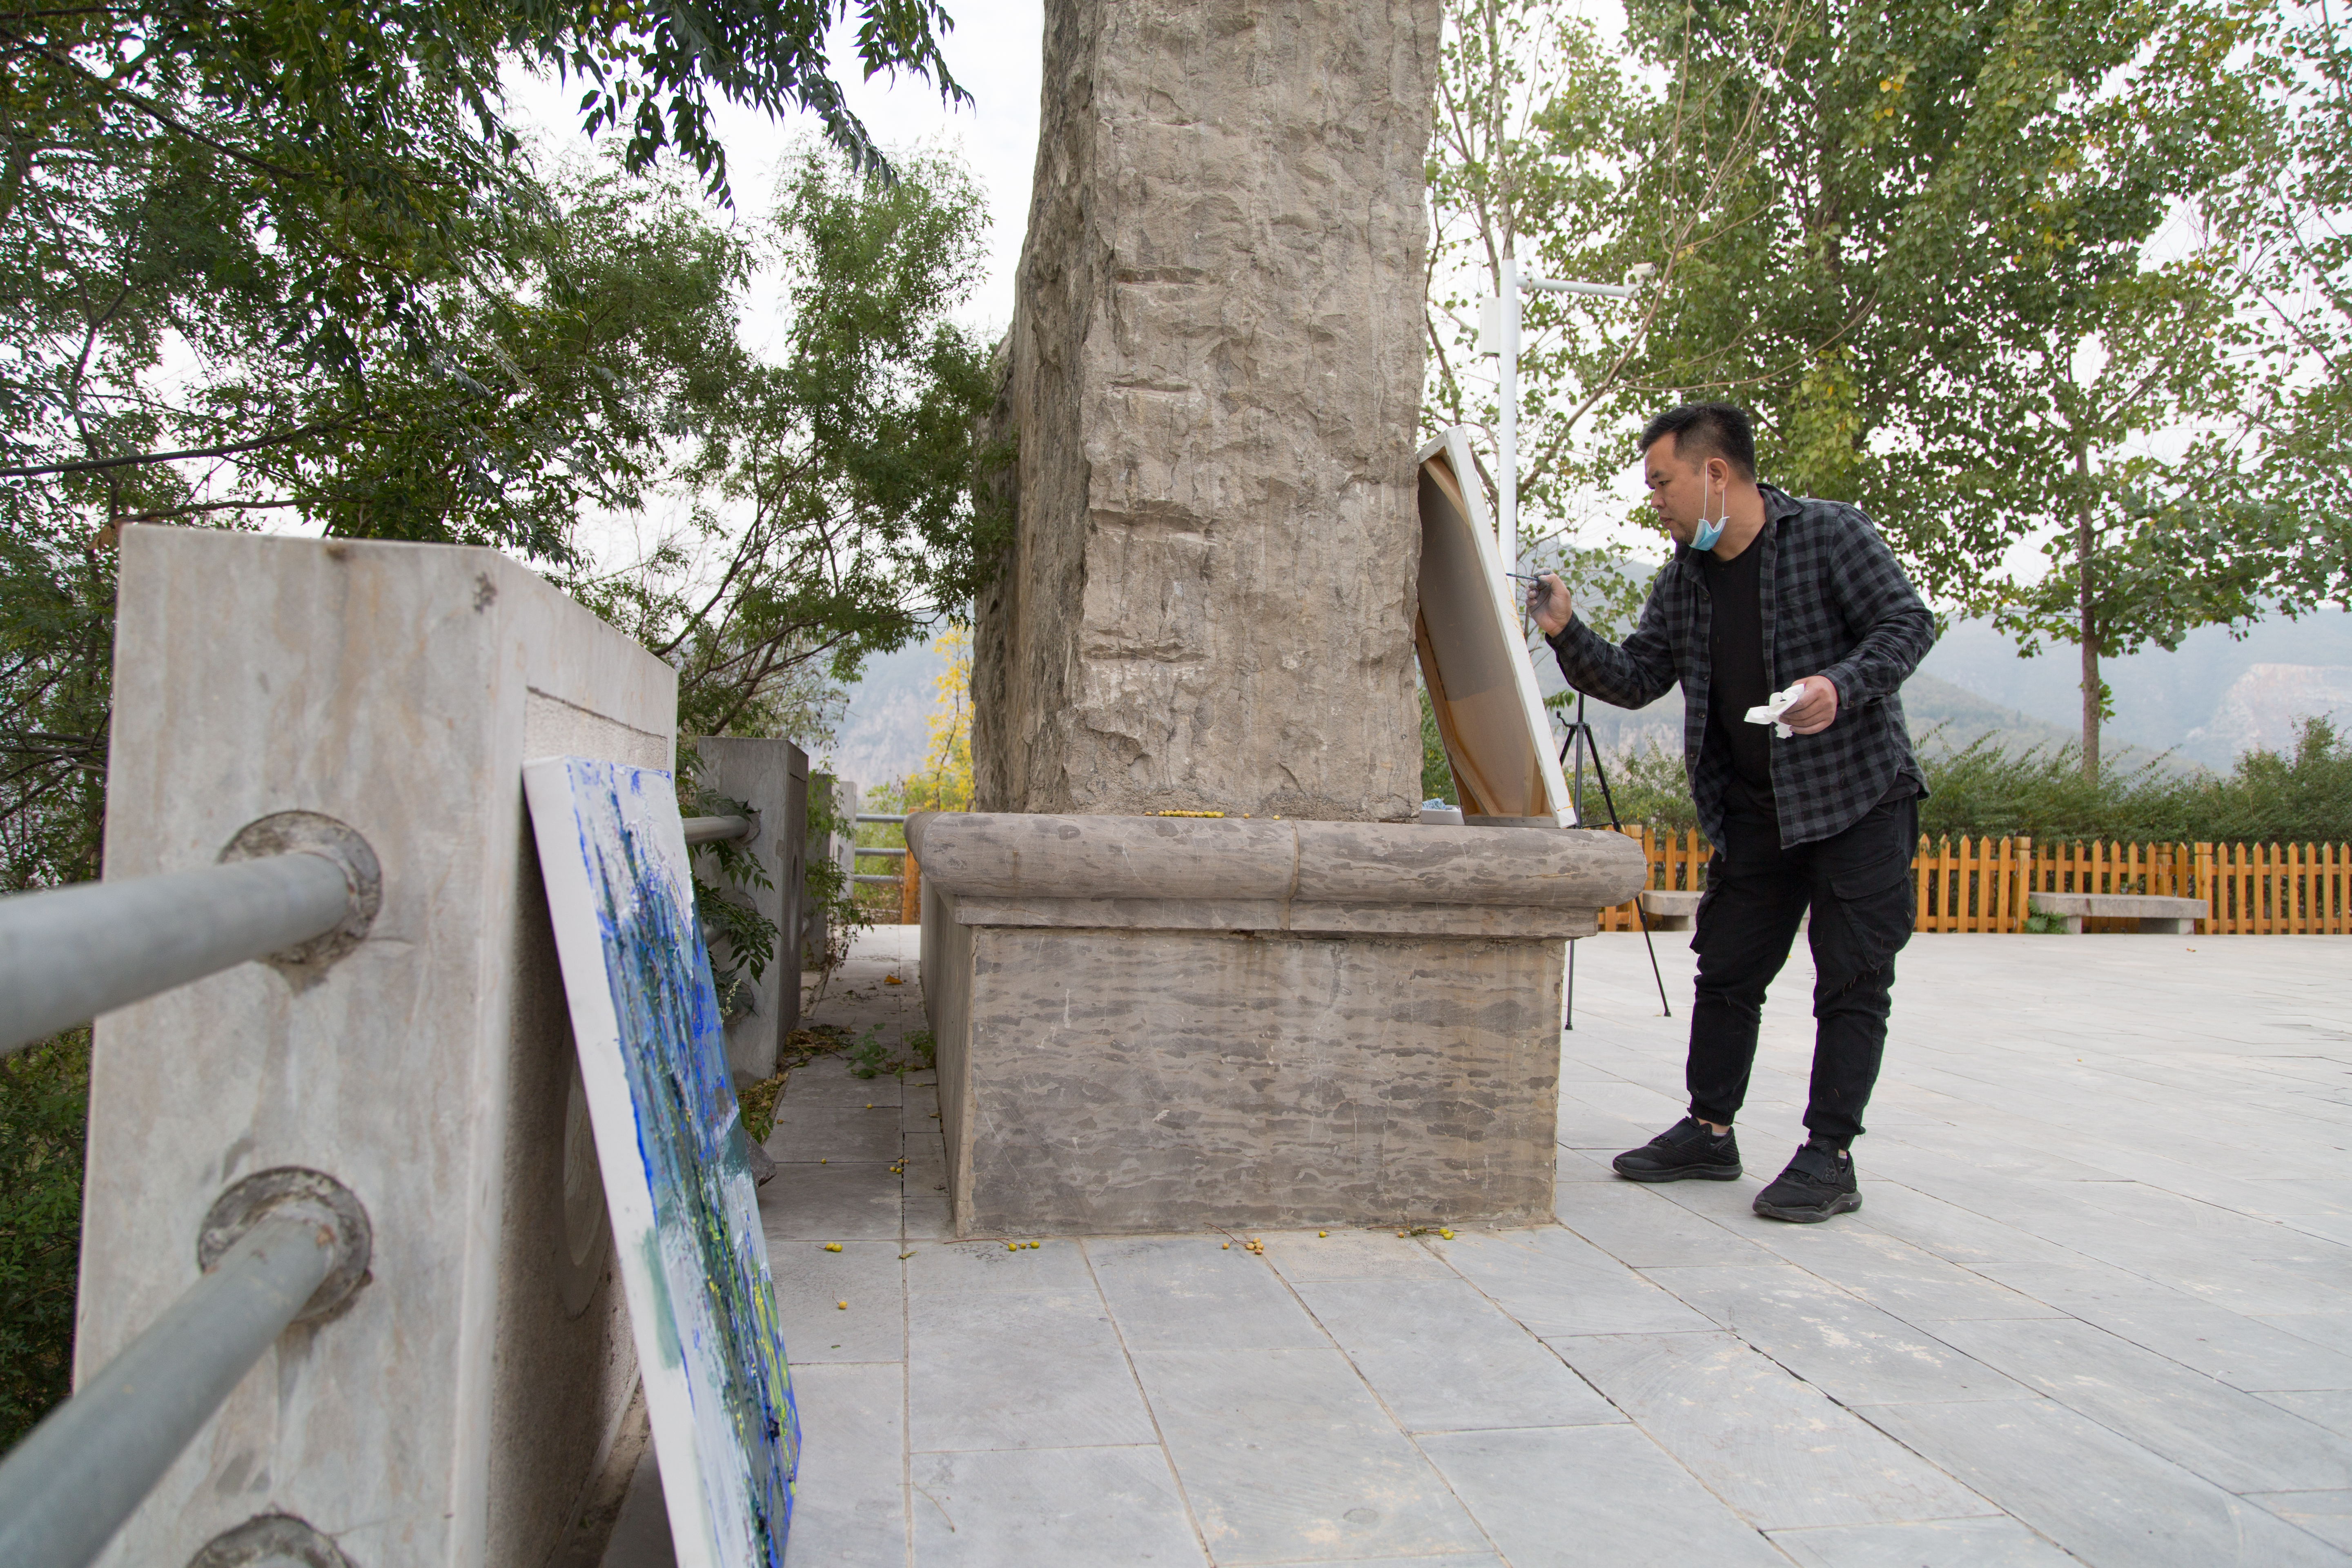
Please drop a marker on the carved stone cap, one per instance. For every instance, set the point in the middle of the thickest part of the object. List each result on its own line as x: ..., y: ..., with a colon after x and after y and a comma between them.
x: 1024, y: 857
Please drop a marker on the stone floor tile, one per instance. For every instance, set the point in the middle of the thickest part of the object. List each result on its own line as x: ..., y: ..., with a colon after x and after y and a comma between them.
x: 929, y: 1216
x: 2248, y: 1266
x: 640, y: 1537
x: 1303, y: 1255
x: 829, y: 1081
x: 1930, y: 1543
x: 2236, y: 1441
x: 1285, y: 1456
x: 1951, y: 1229
x: 831, y: 1203
x: 1198, y: 1293
x: 1773, y: 1447
x: 1451, y: 1560
x: 2243, y: 1351
x: 810, y: 1283
x: 1555, y: 1282
x: 843, y: 1132
x: 1571, y: 1497
x: 1646, y: 1230
x: 1582, y: 1165
x: 2328, y: 1515
x: 1848, y: 1349
x: 986, y: 1267
x: 1444, y: 1358
x: 1907, y: 1282
x: 1581, y: 1127
x: 2331, y: 1408
x: 1026, y: 1369
x: 2098, y: 1495
x: 1050, y: 1507
x: 849, y: 1501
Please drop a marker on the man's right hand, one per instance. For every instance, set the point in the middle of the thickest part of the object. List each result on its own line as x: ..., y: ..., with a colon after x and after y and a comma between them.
x: 1548, y: 600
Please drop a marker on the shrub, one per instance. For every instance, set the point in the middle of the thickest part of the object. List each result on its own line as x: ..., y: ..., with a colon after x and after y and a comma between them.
x: 43, y: 1118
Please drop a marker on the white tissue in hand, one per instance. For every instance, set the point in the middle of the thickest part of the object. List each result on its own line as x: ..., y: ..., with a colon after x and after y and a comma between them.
x: 1778, y: 703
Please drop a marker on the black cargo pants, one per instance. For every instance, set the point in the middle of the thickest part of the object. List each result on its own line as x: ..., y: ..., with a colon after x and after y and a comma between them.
x: 1858, y: 885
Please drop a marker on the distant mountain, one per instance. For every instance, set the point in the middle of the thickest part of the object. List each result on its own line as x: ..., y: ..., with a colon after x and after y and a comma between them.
x: 884, y: 732
x: 2207, y: 702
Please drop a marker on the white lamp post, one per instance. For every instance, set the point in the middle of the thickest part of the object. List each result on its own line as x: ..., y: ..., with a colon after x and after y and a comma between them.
x: 1499, y: 334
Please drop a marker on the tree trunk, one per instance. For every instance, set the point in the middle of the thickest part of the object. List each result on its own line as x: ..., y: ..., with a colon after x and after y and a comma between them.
x: 2094, y: 689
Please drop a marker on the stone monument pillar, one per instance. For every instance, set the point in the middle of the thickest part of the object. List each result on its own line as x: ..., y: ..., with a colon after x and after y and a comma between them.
x: 1215, y: 375
x: 1152, y: 1014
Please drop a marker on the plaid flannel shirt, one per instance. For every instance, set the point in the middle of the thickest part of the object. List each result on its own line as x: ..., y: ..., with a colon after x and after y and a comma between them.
x: 1835, y: 603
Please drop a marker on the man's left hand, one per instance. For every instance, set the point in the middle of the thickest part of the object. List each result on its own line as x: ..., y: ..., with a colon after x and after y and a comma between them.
x: 1816, y: 710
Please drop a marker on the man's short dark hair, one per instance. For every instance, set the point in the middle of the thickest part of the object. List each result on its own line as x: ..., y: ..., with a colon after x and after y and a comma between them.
x: 1704, y: 430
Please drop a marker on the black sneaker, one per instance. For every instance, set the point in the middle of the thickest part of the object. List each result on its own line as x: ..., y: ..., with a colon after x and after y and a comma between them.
x: 1819, y: 1182
x: 1683, y: 1151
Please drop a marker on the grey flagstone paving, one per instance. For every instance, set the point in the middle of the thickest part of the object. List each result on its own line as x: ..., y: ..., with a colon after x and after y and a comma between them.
x: 2100, y: 1280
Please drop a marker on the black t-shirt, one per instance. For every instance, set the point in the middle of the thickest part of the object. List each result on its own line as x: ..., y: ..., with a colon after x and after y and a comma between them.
x: 1737, y: 678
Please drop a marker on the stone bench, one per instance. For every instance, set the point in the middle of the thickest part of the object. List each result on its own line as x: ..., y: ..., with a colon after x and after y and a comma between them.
x: 1663, y: 910
x: 2163, y: 916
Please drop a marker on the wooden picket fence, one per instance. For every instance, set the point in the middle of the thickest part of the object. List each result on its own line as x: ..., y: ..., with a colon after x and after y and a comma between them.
x: 1980, y: 885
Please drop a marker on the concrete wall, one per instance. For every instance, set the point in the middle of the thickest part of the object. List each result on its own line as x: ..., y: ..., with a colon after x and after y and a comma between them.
x: 465, y: 1405
x: 1215, y: 375
x: 771, y: 776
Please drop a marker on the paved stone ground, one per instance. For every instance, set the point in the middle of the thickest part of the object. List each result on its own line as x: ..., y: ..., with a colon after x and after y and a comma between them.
x: 2098, y: 1303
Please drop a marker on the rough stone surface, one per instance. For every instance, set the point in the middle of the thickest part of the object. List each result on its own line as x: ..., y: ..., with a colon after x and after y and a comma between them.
x: 1124, y: 1081
x: 1144, y: 1024
x: 458, y: 1409
x: 1215, y: 375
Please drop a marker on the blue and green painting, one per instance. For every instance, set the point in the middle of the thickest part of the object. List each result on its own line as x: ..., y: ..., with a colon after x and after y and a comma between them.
x: 696, y: 1266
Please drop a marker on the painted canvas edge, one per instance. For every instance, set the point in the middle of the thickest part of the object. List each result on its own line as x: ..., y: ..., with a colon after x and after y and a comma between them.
x: 612, y: 1118
x: 1453, y: 444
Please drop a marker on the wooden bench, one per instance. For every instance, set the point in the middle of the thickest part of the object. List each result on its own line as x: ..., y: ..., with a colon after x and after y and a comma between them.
x: 2163, y: 916
x: 1669, y: 912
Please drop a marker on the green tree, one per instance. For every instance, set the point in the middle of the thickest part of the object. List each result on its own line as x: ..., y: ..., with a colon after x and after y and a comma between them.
x: 1536, y: 118
x: 1935, y: 285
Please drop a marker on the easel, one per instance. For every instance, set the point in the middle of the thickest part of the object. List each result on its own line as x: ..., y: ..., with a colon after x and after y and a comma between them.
x: 1580, y: 730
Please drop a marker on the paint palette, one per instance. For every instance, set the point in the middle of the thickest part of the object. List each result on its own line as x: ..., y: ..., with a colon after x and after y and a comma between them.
x: 671, y: 1146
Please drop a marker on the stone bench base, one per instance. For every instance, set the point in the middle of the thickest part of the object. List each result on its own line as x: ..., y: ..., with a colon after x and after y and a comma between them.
x: 1669, y: 910
x: 1265, y: 1041
x: 2155, y: 914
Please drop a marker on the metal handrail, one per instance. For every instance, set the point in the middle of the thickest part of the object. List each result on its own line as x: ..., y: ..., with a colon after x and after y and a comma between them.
x: 719, y: 829
x: 70, y: 953
x: 70, y: 1485
x: 881, y: 816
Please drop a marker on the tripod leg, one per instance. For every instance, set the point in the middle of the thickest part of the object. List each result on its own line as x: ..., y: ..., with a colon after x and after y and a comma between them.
x: 1602, y: 778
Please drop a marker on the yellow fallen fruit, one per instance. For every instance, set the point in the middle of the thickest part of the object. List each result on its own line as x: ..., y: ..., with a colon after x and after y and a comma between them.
x: 1227, y: 1246
x: 1322, y: 1233
x: 1444, y: 1234
x: 832, y: 1246
x: 1010, y: 1247
x: 843, y: 1305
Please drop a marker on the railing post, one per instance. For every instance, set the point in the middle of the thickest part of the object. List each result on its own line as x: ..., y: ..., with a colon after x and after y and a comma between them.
x: 453, y: 1410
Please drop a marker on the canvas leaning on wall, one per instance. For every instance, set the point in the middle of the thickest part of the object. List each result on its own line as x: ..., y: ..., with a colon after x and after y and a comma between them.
x: 671, y: 1147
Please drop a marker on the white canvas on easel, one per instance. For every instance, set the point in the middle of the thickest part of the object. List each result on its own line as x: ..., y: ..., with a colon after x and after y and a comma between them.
x: 1473, y: 656
x: 670, y: 1143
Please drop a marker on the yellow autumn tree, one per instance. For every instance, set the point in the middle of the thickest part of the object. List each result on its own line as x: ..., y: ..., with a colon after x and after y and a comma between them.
x: 945, y: 782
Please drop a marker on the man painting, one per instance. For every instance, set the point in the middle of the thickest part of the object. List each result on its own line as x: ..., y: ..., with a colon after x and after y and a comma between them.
x: 1768, y: 590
